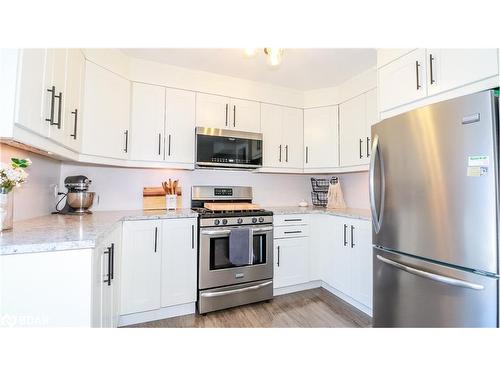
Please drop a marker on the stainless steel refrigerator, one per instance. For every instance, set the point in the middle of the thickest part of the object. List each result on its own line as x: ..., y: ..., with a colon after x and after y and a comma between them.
x: 435, y: 203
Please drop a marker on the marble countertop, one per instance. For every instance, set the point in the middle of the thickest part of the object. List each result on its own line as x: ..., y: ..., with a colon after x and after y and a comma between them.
x: 65, y: 232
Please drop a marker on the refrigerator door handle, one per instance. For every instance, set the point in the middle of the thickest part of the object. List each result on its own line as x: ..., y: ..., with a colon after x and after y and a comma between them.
x: 431, y: 276
x: 376, y: 217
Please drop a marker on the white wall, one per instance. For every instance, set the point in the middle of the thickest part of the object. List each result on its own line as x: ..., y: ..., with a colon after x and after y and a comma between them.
x: 35, y: 197
x: 121, y: 188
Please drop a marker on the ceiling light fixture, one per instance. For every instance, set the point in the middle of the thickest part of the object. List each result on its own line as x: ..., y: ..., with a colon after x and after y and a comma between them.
x: 274, y: 55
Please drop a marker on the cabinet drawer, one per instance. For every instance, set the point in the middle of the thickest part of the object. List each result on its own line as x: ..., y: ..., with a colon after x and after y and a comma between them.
x: 291, y: 231
x: 281, y: 220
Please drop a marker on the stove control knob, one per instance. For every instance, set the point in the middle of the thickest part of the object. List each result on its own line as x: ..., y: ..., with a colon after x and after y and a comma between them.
x: 261, y: 219
x: 216, y: 221
x: 254, y: 220
x: 224, y: 221
x: 240, y: 220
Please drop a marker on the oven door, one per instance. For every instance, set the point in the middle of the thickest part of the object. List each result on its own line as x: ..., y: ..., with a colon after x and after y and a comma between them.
x: 228, y: 148
x: 215, y: 268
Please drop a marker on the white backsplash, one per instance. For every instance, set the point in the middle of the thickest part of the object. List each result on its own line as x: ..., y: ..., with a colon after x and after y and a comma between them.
x: 121, y: 188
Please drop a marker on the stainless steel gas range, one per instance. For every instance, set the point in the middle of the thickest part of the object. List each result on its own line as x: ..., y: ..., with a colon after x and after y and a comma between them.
x: 221, y: 282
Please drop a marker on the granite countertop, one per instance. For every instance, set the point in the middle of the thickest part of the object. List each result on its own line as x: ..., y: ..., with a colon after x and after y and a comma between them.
x: 353, y: 213
x: 65, y: 232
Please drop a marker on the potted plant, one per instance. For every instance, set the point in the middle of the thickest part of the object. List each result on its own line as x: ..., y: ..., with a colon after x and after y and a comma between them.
x: 10, y: 177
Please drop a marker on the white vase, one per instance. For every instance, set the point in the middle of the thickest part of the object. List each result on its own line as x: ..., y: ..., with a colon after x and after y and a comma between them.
x: 6, y: 209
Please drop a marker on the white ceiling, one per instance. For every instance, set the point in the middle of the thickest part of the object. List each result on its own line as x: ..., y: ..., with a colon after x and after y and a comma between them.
x: 302, y: 69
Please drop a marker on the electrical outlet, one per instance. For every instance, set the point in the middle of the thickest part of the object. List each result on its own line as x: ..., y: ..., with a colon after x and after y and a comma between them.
x: 55, y: 190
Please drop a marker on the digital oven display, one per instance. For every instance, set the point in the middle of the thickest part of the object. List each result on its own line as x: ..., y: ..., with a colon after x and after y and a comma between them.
x: 223, y: 192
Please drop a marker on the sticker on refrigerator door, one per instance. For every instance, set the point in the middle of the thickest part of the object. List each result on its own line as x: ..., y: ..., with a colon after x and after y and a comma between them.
x: 477, y: 171
x: 479, y: 161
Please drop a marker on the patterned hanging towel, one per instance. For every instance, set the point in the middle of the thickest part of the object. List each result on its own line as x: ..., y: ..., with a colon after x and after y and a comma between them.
x: 335, y: 196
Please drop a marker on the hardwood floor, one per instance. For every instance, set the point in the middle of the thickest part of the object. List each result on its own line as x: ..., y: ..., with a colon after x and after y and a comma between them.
x: 309, y: 308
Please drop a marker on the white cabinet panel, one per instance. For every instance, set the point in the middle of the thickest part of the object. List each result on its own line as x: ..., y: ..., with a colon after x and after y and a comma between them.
x: 32, y: 86
x: 212, y: 111
x: 147, y: 122
x: 293, y: 135
x: 452, y: 68
x: 57, y: 70
x: 180, y: 126
x: 403, y: 80
x: 321, y: 137
x: 272, y: 132
x: 291, y: 261
x: 107, y: 113
x: 141, y: 266
x: 353, y: 147
x: 361, y: 262
x: 179, y: 262
x: 244, y: 115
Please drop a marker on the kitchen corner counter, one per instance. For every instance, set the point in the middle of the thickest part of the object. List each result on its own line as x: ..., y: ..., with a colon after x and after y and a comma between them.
x: 352, y: 213
x: 67, y: 232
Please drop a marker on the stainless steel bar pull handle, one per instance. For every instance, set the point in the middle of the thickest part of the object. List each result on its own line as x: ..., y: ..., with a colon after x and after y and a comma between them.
x: 360, y: 148
x: 431, y: 65
x: 59, y: 109
x: 368, y: 147
x: 159, y: 143
x: 234, y: 116
x: 126, y: 141
x: 108, y: 280
x: 227, y: 106
x: 169, y: 143
x: 307, y: 154
x: 234, y: 291
x: 286, y: 153
x: 345, y: 235
x: 279, y: 158
x: 417, y: 68
x: 156, y: 239
x: 52, y: 102
x: 192, y: 236
x: 112, y: 260
x: 352, y: 236
x: 377, y: 217
x: 431, y: 276
x: 75, y: 112
x: 278, y: 264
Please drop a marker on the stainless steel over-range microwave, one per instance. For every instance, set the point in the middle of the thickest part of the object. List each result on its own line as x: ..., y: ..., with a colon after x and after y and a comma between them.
x: 222, y: 148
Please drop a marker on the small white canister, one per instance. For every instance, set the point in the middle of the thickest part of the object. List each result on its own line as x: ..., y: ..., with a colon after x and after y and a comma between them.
x: 171, y: 201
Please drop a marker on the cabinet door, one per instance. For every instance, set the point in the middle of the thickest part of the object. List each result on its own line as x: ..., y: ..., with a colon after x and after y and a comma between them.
x: 291, y: 257
x: 293, y: 136
x: 107, y: 113
x: 339, y: 257
x: 372, y: 117
x: 32, y: 85
x: 106, y: 290
x: 321, y: 137
x: 73, y: 91
x: 58, y: 58
x: 271, y: 126
x: 452, y: 68
x: 147, y: 122
x: 179, y: 262
x: 180, y: 135
x: 353, y: 132
x: 141, y: 266
x: 403, y: 80
x: 212, y: 111
x: 244, y: 115
x: 361, y: 261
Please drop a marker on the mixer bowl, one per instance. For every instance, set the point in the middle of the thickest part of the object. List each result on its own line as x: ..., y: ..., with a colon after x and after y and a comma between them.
x: 80, y: 201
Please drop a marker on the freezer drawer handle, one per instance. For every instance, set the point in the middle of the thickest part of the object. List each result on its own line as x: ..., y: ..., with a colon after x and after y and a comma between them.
x: 234, y: 291
x: 431, y: 276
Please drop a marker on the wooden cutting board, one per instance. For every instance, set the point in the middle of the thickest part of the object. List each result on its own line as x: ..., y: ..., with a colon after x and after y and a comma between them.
x: 153, y: 191
x: 231, y: 206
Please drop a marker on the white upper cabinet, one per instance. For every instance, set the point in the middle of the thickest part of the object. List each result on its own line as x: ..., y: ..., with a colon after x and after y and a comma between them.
x: 106, y: 119
x: 179, y: 262
x: 214, y: 111
x: 403, y: 80
x: 282, y: 130
x: 55, y: 98
x: 32, y: 85
x: 73, y: 100
x: 147, y: 131
x: 321, y: 137
x: 180, y: 125
x: 244, y: 115
x: 452, y: 68
x: 353, y: 140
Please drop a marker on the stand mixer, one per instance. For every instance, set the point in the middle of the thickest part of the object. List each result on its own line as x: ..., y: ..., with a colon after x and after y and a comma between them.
x: 78, y: 198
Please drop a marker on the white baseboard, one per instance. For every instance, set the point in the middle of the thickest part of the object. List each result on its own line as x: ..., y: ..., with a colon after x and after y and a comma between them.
x: 163, y: 313
x: 348, y: 299
x: 297, y: 288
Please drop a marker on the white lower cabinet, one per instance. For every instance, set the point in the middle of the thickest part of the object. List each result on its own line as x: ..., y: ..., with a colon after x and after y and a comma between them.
x: 179, y: 262
x: 291, y: 261
x: 159, y: 264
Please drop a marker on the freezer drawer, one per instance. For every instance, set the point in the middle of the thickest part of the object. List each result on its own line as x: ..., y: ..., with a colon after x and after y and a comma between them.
x: 409, y: 292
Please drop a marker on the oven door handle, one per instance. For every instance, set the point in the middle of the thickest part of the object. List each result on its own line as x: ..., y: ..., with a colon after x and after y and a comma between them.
x: 234, y: 291
x: 228, y: 231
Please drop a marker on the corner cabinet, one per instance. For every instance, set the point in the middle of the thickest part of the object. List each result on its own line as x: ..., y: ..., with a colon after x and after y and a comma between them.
x: 107, y: 113
x: 282, y: 130
x: 215, y: 111
x: 159, y: 264
x: 321, y: 138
